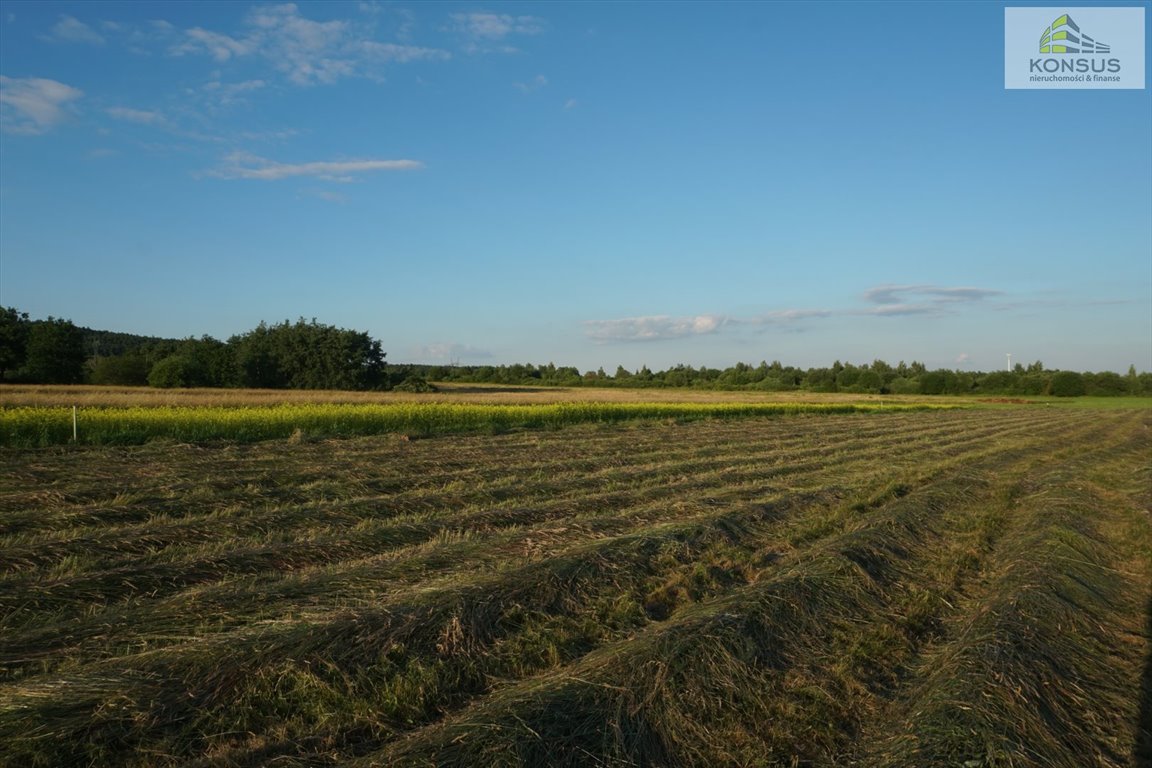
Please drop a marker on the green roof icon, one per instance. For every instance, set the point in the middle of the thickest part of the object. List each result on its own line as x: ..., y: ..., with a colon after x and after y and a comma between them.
x: 1071, y: 39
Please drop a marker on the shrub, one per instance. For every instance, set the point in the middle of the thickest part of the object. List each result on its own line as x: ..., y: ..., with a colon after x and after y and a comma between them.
x: 129, y: 369
x: 1067, y: 384
x: 173, y: 371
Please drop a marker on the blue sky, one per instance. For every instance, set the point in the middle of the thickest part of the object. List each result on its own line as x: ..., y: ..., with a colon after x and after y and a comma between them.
x: 593, y: 184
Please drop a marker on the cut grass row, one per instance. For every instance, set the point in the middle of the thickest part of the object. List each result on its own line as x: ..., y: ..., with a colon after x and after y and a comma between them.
x: 794, y: 666
x: 168, y: 554
x: 715, y: 592
x: 44, y: 426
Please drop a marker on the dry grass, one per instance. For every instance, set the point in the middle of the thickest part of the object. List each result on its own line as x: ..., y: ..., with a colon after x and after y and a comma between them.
x: 12, y: 395
x: 939, y: 588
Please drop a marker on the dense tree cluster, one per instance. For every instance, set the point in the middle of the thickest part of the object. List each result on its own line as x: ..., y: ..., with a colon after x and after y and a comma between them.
x: 300, y: 355
x: 311, y: 355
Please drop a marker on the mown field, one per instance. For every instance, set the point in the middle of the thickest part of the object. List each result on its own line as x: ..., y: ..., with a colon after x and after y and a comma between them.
x: 883, y: 588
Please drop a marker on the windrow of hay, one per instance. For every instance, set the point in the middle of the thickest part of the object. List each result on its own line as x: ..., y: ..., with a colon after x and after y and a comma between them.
x: 711, y: 592
x: 1040, y: 669
x: 412, y: 658
x: 751, y: 677
x: 341, y: 551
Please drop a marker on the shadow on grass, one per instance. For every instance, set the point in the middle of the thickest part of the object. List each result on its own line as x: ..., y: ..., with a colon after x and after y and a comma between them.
x: 1144, y: 722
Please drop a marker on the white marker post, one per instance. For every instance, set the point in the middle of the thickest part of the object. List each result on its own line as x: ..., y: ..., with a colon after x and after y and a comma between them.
x: 74, y: 438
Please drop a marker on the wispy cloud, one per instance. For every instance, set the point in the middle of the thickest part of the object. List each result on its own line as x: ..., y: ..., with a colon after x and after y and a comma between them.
x: 889, y: 301
x: 226, y: 94
x: 243, y: 165
x: 653, y: 327
x: 141, y: 38
x: 897, y: 294
x: 139, y: 116
x: 401, y: 54
x: 219, y: 46
x: 326, y: 195
x: 534, y: 84
x: 71, y: 30
x: 307, y: 52
x: 783, y: 316
x: 904, y: 300
x: 485, y: 32
x: 34, y: 105
x: 496, y: 26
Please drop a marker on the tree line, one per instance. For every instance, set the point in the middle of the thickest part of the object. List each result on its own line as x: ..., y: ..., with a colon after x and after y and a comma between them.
x: 311, y: 355
x: 877, y: 377
x: 300, y: 355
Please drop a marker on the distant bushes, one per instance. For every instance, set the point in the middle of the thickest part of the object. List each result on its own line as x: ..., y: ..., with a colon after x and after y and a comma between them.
x: 312, y: 355
x: 877, y: 378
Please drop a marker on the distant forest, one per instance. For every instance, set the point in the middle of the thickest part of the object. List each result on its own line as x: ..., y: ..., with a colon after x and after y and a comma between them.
x: 312, y: 355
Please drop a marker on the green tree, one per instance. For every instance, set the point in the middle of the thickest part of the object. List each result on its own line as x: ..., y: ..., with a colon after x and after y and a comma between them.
x: 869, y: 381
x: 128, y: 369
x: 997, y: 383
x: 172, y: 372
x: 933, y: 382
x: 55, y: 352
x: 308, y: 355
x: 822, y: 379
x: 1067, y: 384
x: 1105, y: 384
x: 14, y: 329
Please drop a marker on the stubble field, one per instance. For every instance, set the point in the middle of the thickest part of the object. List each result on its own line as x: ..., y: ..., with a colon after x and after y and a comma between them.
x: 931, y: 588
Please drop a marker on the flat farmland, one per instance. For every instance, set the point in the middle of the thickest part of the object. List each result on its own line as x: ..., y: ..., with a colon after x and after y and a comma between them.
x: 885, y: 588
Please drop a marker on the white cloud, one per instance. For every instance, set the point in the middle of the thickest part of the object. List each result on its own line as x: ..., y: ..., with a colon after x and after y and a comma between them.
x: 895, y: 294
x: 242, y: 165
x: 326, y: 195
x: 491, y: 32
x: 225, y: 94
x: 901, y: 310
x: 401, y: 54
x: 653, y: 327
x: 140, y: 116
x: 932, y: 301
x: 71, y: 30
x: 903, y: 300
x: 534, y: 84
x: 279, y: 135
x: 571, y: 104
x: 218, y: 46
x: 33, y: 105
x: 788, y: 316
x: 496, y: 26
x: 307, y: 52
x: 140, y: 38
